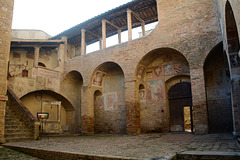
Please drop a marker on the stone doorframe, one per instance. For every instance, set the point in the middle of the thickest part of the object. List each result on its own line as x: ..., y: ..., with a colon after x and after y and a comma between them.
x: 53, y: 126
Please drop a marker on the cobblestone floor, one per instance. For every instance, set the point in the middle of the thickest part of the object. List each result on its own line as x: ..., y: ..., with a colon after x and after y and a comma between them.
x: 140, y: 146
x: 9, y: 154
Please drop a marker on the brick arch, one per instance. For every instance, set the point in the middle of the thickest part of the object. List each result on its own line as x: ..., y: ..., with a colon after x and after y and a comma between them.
x: 102, y: 65
x: 151, y: 55
x: 68, y: 105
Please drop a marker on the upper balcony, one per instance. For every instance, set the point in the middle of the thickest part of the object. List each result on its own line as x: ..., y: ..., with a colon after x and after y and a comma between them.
x: 117, y: 21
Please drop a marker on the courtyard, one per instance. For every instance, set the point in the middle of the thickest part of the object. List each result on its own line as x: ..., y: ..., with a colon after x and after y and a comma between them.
x: 130, y: 147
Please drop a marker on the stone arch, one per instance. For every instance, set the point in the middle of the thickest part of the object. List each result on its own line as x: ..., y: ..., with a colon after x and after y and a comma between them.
x: 33, y: 101
x: 232, y: 39
x: 218, y: 90
x: 71, y: 88
x: 108, y: 79
x: 154, y: 70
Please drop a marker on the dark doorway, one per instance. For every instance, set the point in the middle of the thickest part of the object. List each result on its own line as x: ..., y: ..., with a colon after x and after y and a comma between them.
x: 179, y: 96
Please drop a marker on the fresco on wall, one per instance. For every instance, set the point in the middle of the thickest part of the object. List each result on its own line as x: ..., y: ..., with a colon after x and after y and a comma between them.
x: 235, y: 60
x: 155, y: 91
x: 16, y: 56
x: 168, y: 69
x: 98, y: 78
x: 110, y: 99
x: 140, y: 72
x: 40, y: 82
x: 45, y: 54
x: 158, y: 71
x: 100, y: 101
x: 142, y: 94
x: 30, y: 54
x: 20, y: 86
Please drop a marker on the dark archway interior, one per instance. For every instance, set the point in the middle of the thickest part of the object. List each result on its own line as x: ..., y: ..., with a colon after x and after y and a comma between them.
x: 232, y: 37
x: 218, y: 91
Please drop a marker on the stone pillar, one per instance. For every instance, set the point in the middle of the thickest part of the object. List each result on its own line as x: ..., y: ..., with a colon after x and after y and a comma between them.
x: 100, y: 43
x: 235, y: 83
x: 36, y: 55
x: 119, y: 36
x: 129, y: 22
x: 132, y: 109
x: 62, y: 52
x: 143, y: 29
x: 83, y: 43
x: 104, y: 33
x: 200, y: 117
x: 6, y: 11
x: 87, y: 113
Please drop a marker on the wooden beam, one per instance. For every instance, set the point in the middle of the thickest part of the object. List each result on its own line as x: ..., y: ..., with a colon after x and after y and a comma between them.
x: 113, y: 24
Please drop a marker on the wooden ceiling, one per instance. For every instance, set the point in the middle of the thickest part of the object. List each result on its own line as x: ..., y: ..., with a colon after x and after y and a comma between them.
x: 145, y: 9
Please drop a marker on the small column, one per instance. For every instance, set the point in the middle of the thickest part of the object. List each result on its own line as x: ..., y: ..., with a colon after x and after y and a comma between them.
x: 100, y: 43
x: 83, y: 43
x: 104, y: 33
x: 143, y: 29
x: 129, y: 22
x: 119, y: 36
x: 36, y: 55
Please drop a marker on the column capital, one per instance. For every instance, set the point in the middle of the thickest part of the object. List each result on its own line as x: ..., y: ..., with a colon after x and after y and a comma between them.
x: 83, y: 30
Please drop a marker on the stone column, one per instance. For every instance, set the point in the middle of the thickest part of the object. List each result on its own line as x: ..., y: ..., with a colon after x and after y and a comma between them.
x: 87, y: 117
x: 143, y: 29
x: 132, y: 109
x: 36, y: 55
x: 235, y: 82
x: 129, y: 22
x: 119, y: 36
x: 6, y: 11
x: 103, y: 33
x: 83, y: 43
x: 200, y: 117
x: 100, y: 43
x: 62, y: 52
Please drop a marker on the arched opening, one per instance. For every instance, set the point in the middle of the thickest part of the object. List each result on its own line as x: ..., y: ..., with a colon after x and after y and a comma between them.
x: 108, y: 86
x: 154, y: 70
x: 71, y: 89
x: 218, y: 91
x: 40, y: 64
x: 180, y: 107
x: 59, y: 108
x: 232, y: 38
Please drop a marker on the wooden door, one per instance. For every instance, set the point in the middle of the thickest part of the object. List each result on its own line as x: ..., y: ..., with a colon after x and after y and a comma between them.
x: 179, y: 96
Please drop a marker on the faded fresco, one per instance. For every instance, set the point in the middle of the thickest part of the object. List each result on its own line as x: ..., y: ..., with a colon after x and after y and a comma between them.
x: 98, y: 78
x: 156, y: 73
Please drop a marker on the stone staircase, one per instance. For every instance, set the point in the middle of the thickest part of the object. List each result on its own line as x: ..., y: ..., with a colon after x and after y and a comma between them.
x: 15, y: 130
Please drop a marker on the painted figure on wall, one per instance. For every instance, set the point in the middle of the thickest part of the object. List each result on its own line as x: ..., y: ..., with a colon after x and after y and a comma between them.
x: 98, y: 78
x: 158, y: 71
x: 168, y: 69
x: 140, y: 72
x: 160, y: 89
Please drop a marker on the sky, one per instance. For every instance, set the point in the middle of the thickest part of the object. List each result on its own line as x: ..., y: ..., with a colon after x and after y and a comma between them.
x: 55, y: 16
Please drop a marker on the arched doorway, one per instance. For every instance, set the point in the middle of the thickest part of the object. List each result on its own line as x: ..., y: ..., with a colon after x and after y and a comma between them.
x: 152, y: 76
x: 108, y: 90
x: 180, y: 107
x: 60, y: 110
x: 218, y: 91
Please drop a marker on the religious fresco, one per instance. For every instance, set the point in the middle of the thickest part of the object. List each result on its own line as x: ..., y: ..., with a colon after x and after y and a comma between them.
x: 110, y: 99
x: 98, y: 78
x: 20, y: 86
x: 155, y: 91
x: 142, y: 94
x: 45, y: 53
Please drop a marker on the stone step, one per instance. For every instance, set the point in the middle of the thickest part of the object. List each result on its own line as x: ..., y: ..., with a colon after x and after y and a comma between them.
x: 13, y: 123
x: 17, y: 135
x: 15, y: 127
x: 8, y: 131
x: 12, y: 120
x: 18, y: 139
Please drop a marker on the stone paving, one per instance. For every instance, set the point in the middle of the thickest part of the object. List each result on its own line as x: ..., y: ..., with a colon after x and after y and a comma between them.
x: 9, y: 154
x: 139, y: 147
